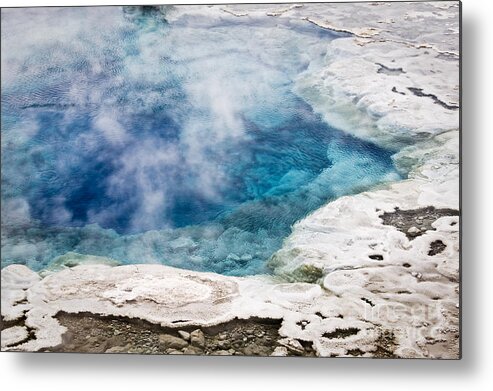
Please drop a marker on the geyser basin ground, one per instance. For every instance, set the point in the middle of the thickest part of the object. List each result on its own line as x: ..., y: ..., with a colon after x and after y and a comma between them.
x: 370, y: 274
x: 183, y: 143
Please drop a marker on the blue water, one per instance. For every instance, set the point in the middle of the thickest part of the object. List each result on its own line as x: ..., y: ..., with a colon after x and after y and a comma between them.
x: 128, y: 136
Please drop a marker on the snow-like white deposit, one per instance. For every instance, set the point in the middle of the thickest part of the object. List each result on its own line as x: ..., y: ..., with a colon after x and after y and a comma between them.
x: 343, y: 280
x: 13, y: 335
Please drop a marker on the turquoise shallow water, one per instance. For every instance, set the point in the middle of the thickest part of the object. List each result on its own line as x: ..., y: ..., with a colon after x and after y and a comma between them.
x: 179, y: 143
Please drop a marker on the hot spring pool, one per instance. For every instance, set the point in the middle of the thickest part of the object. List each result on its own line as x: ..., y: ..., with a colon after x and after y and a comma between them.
x: 178, y: 143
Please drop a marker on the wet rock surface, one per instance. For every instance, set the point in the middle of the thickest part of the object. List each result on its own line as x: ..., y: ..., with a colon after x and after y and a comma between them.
x: 415, y: 222
x: 89, y: 333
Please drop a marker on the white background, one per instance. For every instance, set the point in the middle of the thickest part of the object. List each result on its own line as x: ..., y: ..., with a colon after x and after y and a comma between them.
x: 76, y: 372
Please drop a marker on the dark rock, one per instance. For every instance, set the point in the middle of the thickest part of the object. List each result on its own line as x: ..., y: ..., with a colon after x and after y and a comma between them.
x: 436, y: 247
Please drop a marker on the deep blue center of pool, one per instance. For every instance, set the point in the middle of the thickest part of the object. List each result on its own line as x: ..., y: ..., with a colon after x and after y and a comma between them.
x: 180, y: 143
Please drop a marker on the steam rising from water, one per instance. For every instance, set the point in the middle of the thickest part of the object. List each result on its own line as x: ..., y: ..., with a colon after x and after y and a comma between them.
x: 182, y: 143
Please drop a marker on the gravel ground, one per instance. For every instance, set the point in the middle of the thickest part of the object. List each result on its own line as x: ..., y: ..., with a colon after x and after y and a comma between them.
x: 88, y: 333
x: 415, y: 222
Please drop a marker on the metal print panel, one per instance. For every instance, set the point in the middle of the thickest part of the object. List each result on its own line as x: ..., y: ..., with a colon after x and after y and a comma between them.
x: 261, y: 179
